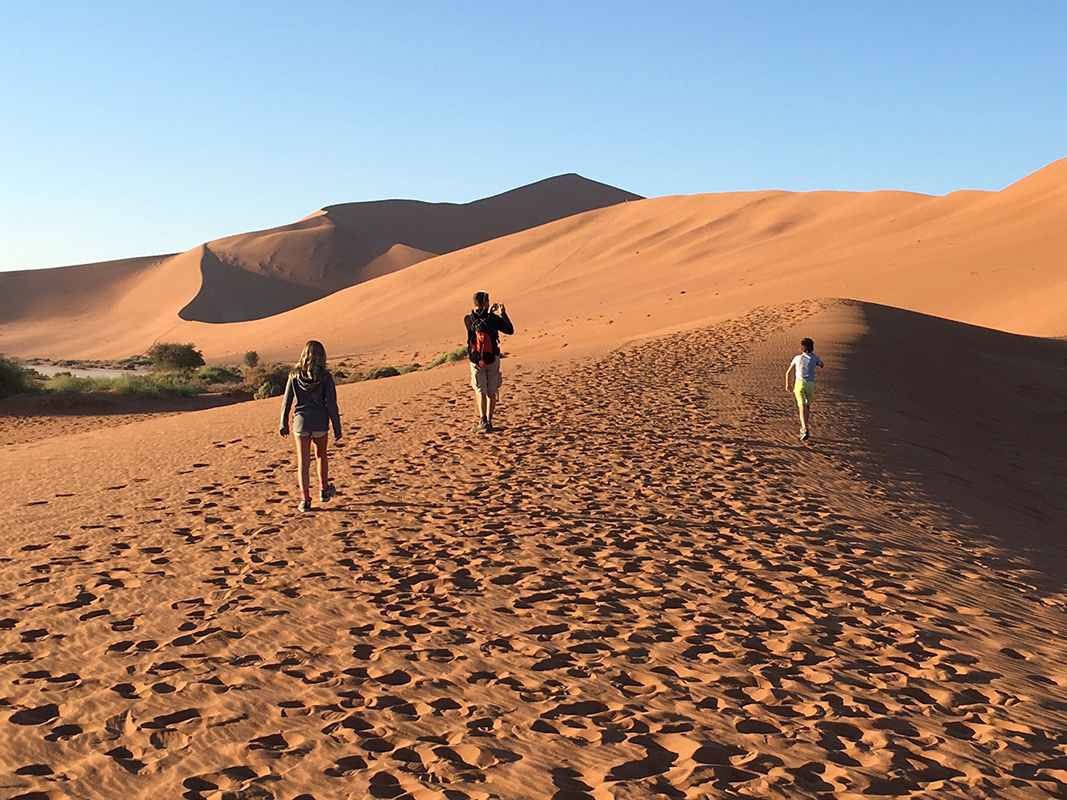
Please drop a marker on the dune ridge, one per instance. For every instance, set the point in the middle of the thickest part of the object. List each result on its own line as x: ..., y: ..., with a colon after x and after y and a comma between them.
x: 642, y: 585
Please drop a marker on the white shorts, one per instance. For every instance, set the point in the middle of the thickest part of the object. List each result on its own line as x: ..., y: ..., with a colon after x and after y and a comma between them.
x: 487, y: 379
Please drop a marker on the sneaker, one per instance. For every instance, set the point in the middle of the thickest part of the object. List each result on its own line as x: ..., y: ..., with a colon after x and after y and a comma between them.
x: 327, y: 493
x: 803, y: 435
x: 488, y: 427
x: 305, y: 505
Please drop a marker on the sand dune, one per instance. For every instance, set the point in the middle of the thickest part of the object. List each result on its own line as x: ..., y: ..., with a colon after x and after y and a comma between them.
x: 256, y: 275
x: 646, y: 267
x: 643, y: 585
x: 663, y: 264
x: 975, y: 417
x: 56, y: 295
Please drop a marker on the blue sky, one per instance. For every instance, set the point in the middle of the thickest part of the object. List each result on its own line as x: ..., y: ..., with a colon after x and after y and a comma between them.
x: 133, y: 128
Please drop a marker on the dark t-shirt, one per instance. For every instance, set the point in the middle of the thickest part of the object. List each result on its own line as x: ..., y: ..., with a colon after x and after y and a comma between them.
x: 495, y: 324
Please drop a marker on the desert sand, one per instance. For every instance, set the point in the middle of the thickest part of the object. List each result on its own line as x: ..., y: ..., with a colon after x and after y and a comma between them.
x: 641, y: 585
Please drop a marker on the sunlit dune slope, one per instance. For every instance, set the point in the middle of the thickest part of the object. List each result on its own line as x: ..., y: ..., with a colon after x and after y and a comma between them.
x: 648, y: 266
x: 642, y: 557
x: 65, y: 292
x: 663, y: 264
x: 259, y: 274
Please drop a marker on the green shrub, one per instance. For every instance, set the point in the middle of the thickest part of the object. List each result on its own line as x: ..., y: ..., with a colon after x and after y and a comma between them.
x: 458, y: 354
x: 266, y: 380
x: 135, y: 385
x: 380, y: 372
x: 170, y: 356
x: 173, y: 381
x: 154, y: 385
x: 375, y: 373
x: 13, y: 378
x: 68, y: 383
x: 213, y: 373
x: 251, y: 359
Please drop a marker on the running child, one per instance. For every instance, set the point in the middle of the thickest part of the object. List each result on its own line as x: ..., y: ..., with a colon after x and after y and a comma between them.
x: 312, y: 388
x: 804, y: 385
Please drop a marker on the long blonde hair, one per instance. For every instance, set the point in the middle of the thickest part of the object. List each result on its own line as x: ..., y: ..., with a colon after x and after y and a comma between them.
x: 312, y: 361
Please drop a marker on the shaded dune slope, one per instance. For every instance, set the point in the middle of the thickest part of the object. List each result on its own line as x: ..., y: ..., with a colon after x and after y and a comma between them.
x: 445, y: 227
x: 975, y: 418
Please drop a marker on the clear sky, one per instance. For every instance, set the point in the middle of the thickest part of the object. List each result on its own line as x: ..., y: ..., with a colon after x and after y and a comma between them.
x: 138, y: 128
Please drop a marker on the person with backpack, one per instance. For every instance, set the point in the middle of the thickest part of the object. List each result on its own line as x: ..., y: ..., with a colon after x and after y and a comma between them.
x: 484, y: 324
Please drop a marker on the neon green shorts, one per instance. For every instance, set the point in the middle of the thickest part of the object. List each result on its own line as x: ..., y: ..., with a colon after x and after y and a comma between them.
x: 805, y: 392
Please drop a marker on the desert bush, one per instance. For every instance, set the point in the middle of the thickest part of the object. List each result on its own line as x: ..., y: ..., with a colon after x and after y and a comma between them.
x: 251, y: 359
x: 135, y: 385
x: 380, y: 372
x: 175, y: 381
x: 266, y: 380
x: 170, y: 356
x: 458, y: 354
x: 154, y: 385
x: 68, y: 383
x: 13, y: 378
x: 213, y: 373
x: 376, y: 373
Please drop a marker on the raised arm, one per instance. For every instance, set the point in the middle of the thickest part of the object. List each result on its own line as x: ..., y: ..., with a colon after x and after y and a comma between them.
x: 503, y: 323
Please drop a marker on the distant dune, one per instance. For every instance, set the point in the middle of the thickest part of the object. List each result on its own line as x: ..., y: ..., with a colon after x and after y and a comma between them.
x: 625, y: 270
x: 445, y: 227
x: 259, y: 274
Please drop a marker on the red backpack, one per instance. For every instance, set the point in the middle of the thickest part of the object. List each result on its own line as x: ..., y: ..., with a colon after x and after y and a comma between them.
x: 483, y: 340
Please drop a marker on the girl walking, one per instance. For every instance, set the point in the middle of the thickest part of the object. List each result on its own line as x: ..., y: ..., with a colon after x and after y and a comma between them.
x: 311, y: 387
